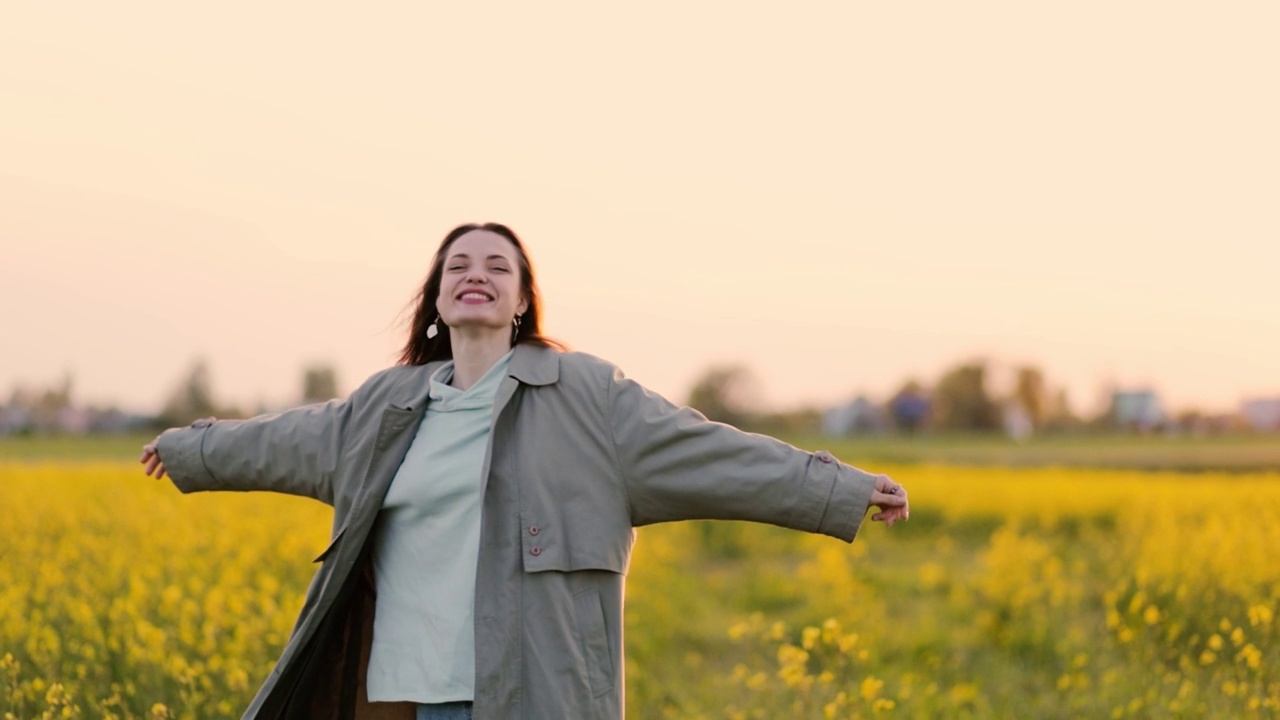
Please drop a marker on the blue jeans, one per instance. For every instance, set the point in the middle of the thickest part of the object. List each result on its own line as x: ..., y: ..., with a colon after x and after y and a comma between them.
x: 444, y: 711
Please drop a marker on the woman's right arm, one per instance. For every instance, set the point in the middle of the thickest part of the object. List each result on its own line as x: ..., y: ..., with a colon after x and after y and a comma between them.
x: 296, y: 452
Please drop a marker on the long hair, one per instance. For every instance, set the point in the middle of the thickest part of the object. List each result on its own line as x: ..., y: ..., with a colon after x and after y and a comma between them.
x: 420, y: 350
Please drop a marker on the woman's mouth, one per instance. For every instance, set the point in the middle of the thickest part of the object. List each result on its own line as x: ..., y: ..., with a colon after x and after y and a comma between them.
x: 473, y: 297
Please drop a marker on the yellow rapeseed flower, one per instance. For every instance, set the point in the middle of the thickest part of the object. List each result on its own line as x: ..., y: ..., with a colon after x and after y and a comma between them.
x: 809, y: 637
x: 1260, y: 615
x: 1250, y: 656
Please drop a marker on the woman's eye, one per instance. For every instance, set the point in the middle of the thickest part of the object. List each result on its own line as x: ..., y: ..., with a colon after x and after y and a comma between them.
x: 499, y: 269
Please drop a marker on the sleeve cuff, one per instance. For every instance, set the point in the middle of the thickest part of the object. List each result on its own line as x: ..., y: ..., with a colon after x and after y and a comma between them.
x: 847, y: 503
x: 180, y: 451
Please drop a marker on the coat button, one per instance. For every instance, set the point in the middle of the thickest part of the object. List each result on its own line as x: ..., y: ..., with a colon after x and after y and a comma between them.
x: 824, y: 456
x: 533, y: 530
x: 535, y: 550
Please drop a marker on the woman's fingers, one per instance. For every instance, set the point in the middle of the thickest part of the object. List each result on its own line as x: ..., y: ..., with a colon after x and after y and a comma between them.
x: 151, y: 458
x: 890, y: 516
x: 885, y: 484
x: 891, y: 498
x: 886, y: 518
x: 886, y: 500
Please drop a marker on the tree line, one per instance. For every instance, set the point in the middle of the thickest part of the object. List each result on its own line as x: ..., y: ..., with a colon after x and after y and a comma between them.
x: 53, y: 410
x: 960, y: 400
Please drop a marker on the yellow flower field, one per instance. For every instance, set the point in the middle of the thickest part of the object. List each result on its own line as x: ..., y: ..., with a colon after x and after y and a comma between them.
x: 1011, y: 593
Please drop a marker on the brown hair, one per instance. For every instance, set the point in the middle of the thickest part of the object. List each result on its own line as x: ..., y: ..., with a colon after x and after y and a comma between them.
x: 420, y: 350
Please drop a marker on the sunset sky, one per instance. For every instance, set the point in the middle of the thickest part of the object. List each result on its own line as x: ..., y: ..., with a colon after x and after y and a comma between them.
x: 841, y: 196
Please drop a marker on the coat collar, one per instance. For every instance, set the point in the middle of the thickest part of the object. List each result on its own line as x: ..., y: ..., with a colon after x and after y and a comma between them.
x: 530, y: 364
x: 535, y: 365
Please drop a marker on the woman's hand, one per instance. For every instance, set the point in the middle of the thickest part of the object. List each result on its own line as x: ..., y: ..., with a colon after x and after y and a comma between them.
x: 891, y: 499
x: 151, y: 458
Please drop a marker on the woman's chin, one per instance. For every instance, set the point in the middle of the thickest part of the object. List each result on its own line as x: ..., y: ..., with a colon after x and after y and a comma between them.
x: 478, y: 327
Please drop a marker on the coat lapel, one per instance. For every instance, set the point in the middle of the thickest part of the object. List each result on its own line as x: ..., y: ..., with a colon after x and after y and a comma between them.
x: 530, y: 365
x: 406, y: 405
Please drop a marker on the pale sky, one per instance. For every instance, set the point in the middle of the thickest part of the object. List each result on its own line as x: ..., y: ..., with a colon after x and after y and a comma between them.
x: 839, y: 195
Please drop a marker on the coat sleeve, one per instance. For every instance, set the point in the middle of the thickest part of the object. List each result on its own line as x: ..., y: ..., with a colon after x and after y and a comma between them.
x: 677, y: 465
x: 294, y: 452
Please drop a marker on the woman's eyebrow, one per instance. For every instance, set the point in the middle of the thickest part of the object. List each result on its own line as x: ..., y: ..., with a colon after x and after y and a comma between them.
x: 465, y: 256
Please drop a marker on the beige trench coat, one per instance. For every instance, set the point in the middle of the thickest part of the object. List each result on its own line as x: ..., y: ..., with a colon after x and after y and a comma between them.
x: 578, y: 456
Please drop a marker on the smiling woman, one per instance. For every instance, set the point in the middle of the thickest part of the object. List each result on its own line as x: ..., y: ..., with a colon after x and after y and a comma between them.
x: 485, y: 492
x: 488, y: 262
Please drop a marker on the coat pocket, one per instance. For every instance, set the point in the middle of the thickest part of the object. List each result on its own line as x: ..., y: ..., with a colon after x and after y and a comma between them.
x: 332, y: 545
x: 595, y: 641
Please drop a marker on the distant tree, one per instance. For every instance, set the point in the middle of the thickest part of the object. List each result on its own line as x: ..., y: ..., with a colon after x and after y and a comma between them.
x: 727, y: 394
x: 15, y: 416
x: 1030, y: 392
x: 1060, y: 415
x: 192, y: 399
x: 21, y: 397
x: 790, y: 424
x: 910, y: 407
x: 319, y: 383
x: 962, y: 402
x: 49, y: 404
x: 1193, y: 421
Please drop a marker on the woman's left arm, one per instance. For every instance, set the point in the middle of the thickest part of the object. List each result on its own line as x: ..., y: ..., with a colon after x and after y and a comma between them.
x: 677, y: 465
x: 296, y: 452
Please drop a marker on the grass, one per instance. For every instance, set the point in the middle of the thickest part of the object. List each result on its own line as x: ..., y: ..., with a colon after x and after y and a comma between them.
x: 73, y: 447
x: 1230, y: 453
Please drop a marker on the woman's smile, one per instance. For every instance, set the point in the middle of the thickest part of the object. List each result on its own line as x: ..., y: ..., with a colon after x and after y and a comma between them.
x: 472, y: 297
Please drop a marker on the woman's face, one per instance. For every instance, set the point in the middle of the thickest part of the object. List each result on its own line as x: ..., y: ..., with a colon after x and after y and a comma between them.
x: 480, y: 283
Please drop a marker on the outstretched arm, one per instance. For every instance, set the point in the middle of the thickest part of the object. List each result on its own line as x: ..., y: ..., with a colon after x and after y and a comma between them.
x: 294, y: 452
x: 678, y: 465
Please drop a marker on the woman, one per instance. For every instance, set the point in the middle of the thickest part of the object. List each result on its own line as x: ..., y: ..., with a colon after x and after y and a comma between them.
x: 485, y: 492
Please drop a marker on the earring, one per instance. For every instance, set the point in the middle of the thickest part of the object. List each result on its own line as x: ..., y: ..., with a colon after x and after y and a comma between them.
x: 432, y: 330
x: 515, y: 328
